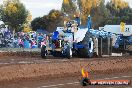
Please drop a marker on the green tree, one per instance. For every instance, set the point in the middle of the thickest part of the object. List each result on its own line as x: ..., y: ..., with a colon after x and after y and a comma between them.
x: 13, y: 14
x: 38, y: 23
x: 55, y: 18
x: 120, y: 12
x: 27, y: 25
x: 48, y: 22
x: 68, y: 8
x: 88, y: 7
x: 99, y: 14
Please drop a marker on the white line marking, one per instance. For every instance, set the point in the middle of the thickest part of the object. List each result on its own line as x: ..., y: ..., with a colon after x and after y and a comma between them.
x: 61, y: 84
x: 12, y: 59
x: 4, y: 63
x: 69, y: 83
x: 81, y: 59
x: 25, y: 62
x: 21, y: 62
x: 47, y: 61
x: 106, y: 78
x: 64, y: 60
x: 78, y: 82
x: 126, y: 76
x: 49, y: 86
x: 116, y: 77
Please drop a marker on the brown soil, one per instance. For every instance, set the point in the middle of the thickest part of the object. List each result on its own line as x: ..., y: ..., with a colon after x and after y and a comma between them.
x: 20, y: 53
x: 61, y: 69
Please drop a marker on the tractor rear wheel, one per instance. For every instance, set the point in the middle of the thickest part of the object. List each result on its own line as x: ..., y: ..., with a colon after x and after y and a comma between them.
x: 43, y: 51
x: 68, y: 52
x: 88, y: 43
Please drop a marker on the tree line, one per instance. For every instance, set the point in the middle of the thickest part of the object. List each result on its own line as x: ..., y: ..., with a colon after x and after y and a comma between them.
x: 48, y: 22
x: 112, y: 13
x: 14, y: 14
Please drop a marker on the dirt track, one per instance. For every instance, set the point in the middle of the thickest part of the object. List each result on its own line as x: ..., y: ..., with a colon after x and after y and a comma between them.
x: 17, y: 68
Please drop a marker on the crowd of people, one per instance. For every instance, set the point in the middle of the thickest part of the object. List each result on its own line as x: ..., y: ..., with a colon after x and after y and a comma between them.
x: 5, y: 38
x: 21, y: 40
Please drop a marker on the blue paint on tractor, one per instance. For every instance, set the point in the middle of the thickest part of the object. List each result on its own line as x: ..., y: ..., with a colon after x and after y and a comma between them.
x: 130, y: 40
x: 76, y: 38
x: 79, y: 46
x: 55, y: 35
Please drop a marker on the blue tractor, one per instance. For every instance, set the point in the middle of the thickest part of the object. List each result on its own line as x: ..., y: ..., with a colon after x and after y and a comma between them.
x: 69, y: 40
x: 74, y: 40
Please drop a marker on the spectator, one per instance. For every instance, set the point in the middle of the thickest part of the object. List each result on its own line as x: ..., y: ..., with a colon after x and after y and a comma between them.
x: 0, y: 40
x: 20, y: 42
x: 15, y: 42
x: 34, y: 43
x: 6, y: 39
x: 43, y: 42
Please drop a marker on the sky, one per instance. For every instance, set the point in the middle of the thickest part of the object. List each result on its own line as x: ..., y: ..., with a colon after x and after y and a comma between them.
x: 39, y: 8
